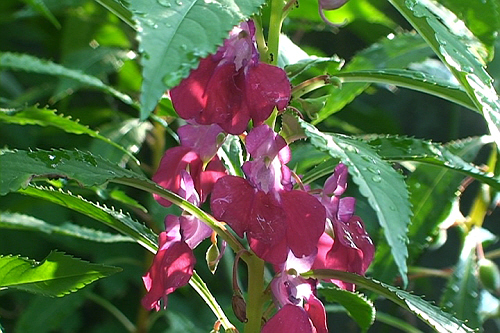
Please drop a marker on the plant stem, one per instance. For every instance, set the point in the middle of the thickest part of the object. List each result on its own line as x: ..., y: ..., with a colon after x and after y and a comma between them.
x: 273, y: 37
x: 254, y: 298
x: 113, y: 310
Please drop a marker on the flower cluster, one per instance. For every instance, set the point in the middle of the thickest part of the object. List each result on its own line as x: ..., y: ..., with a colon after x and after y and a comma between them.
x: 294, y: 230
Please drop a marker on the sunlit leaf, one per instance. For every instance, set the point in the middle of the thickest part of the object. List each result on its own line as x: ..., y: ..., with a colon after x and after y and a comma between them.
x: 175, y: 34
x: 34, y: 115
x: 57, y: 275
x: 383, y: 186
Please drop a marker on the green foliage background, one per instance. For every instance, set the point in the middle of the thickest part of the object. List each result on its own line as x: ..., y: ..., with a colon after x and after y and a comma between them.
x: 86, y: 76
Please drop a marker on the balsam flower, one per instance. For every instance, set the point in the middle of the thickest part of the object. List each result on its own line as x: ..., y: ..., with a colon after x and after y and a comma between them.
x: 232, y: 86
x: 350, y: 249
x: 171, y: 269
x: 275, y: 218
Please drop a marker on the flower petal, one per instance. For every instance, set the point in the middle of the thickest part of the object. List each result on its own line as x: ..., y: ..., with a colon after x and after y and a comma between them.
x: 266, y: 87
x: 316, y: 311
x: 289, y: 319
x: 305, y: 221
x: 201, y: 138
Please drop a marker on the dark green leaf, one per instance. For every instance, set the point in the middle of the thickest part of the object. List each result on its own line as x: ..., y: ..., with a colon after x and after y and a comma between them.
x: 412, y: 80
x: 432, y: 315
x: 26, y: 222
x: 57, y: 275
x: 398, y: 52
x: 34, y: 115
x: 358, y: 307
x: 460, y: 50
x: 378, y: 181
x: 433, y: 191
x: 32, y: 64
x: 175, y: 34
x: 117, y: 220
x: 41, y: 8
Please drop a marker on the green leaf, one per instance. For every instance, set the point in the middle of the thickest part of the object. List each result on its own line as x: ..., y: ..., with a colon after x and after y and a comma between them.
x: 411, y: 79
x: 175, y: 34
x: 358, y: 307
x: 398, y: 52
x: 433, y: 316
x: 44, y: 315
x: 119, y: 10
x: 396, y: 148
x: 378, y: 181
x: 460, y: 50
x: 461, y: 294
x: 26, y: 222
x: 296, y: 69
x: 41, y: 8
x: 28, y: 63
x: 34, y: 115
x: 433, y: 192
x: 232, y: 155
x: 57, y: 275
x: 116, y: 220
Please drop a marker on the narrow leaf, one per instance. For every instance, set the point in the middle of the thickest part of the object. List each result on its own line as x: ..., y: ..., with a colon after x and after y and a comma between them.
x: 57, y: 275
x: 358, y: 307
x: 460, y: 50
x: 433, y: 192
x: 28, y: 63
x: 34, y: 115
x: 398, y: 52
x: 432, y: 315
x: 175, y: 34
x: 116, y: 220
x: 30, y: 223
x: 41, y: 8
x: 396, y: 148
x: 383, y: 186
x: 412, y: 80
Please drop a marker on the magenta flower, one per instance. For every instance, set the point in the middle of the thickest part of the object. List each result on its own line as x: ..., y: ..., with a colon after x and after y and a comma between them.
x: 295, y: 297
x: 171, y: 269
x: 275, y: 218
x: 232, y: 86
x: 199, y: 145
x: 351, y: 249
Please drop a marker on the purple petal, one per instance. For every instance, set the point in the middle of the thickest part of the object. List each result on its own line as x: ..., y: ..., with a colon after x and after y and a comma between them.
x: 266, y: 87
x: 316, y: 311
x: 263, y: 141
x: 305, y: 221
x: 336, y: 184
x: 214, y: 170
x: 289, y: 319
x: 201, y: 138
x: 172, y: 268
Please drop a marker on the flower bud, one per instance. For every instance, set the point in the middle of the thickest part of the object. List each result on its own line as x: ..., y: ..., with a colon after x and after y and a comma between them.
x: 239, y: 308
x: 331, y: 4
x: 489, y: 274
x: 212, y: 257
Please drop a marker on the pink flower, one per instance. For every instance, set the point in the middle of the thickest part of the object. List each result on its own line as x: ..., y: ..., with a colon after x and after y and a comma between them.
x: 351, y: 249
x: 171, y: 269
x: 275, y: 218
x: 232, y: 86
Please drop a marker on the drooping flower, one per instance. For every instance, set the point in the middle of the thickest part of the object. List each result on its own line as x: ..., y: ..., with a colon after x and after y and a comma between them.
x: 232, y: 86
x: 350, y: 249
x: 275, y: 218
x: 171, y: 269
x: 194, y: 159
x: 295, y: 298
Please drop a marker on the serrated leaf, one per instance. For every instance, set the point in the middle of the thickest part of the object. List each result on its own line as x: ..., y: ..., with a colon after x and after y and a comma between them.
x: 34, y: 115
x: 433, y: 190
x: 460, y: 50
x: 116, y: 220
x: 396, y: 148
x: 432, y: 315
x: 414, y: 80
x: 28, y: 63
x: 358, y: 307
x: 398, y: 52
x: 26, y: 222
x: 383, y: 186
x: 294, y: 70
x: 57, y: 275
x: 175, y: 34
